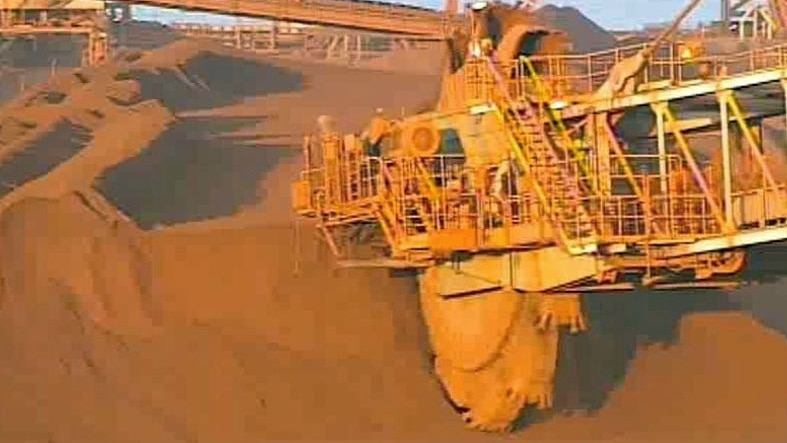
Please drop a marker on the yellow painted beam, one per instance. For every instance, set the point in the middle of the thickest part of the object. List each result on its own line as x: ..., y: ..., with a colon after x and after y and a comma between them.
x: 676, y: 93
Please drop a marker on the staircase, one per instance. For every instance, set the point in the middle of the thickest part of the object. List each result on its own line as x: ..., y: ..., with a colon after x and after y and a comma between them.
x: 426, y: 187
x: 556, y: 181
x: 386, y: 209
x: 556, y: 126
x: 395, y: 201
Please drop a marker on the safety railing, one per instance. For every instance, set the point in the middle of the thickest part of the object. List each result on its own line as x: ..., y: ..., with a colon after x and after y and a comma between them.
x: 661, y: 218
x: 473, y: 82
x: 759, y: 207
x: 456, y: 200
x: 555, y: 123
x: 336, y: 182
x: 555, y: 75
x: 427, y: 195
x: 554, y: 180
x: 669, y: 202
x: 550, y: 77
x: 537, y: 137
x: 571, y: 74
x: 568, y: 75
x: 461, y: 203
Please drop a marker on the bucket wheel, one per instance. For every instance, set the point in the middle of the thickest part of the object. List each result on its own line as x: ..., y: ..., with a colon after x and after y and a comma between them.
x: 494, y: 352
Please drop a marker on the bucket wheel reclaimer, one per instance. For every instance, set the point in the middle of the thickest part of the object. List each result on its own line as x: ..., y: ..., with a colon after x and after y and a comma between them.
x: 496, y: 352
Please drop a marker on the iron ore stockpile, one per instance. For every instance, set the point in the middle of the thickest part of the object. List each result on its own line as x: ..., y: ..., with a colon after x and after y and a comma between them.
x: 154, y: 288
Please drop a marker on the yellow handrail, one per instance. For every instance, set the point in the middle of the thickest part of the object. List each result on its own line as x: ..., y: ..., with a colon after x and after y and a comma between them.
x: 683, y: 144
x: 423, y: 176
x: 389, y: 204
x: 751, y: 139
x: 554, y: 120
x: 537, y: 186
x: 504, y: 106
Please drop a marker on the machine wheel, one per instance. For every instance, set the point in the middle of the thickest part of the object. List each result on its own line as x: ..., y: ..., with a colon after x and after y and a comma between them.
x: 490, y: 356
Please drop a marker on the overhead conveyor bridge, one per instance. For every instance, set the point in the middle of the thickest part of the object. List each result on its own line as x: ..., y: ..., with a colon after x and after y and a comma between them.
x: 368, y: 16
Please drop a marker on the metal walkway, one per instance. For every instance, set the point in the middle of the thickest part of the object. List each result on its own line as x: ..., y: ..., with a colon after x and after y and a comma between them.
x: 667, y: 78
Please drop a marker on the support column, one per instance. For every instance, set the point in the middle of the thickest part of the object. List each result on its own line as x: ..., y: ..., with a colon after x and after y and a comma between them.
x: 602, y: 139
x: 750, y: 137
x: 759, y: 135
x: 725, y: 12
x: 662, y: 147
x: 699, y: 177
x: 333, y: 43
x: 726, y: 155
x: 784, y: 88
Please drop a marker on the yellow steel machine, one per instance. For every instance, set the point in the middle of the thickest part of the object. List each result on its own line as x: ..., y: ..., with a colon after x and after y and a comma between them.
x: 519, y: 193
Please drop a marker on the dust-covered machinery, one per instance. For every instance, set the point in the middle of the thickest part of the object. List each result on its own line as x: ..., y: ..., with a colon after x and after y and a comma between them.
x: 544, y: 177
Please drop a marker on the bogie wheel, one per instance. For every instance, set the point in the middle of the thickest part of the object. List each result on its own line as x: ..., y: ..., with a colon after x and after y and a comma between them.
x: 490, y: 356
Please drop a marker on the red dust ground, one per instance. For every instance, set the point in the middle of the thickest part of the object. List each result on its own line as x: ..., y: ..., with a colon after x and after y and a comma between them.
x: 229, y: 325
